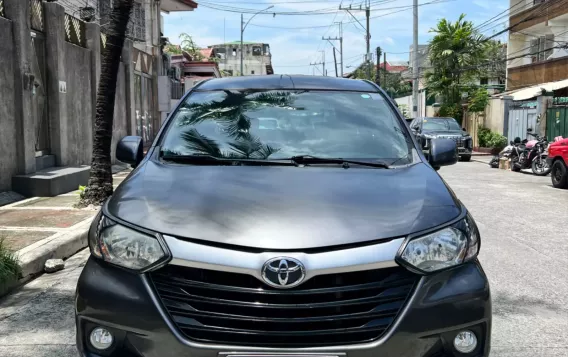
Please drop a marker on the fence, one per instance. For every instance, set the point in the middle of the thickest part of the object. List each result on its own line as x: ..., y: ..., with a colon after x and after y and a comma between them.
x: 75, y: 31
x: 557, y: 119
x: 177, y: 90
x: 36, y: 14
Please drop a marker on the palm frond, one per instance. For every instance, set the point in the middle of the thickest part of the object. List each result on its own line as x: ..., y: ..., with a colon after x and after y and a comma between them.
x: 200, y: 144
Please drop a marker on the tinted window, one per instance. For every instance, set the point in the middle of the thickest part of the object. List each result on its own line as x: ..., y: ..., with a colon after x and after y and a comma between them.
x: 440, y: 124
x: 281, y: 124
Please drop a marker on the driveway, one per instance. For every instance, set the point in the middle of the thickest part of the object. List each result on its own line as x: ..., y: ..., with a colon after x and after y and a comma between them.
x: 524, y: 252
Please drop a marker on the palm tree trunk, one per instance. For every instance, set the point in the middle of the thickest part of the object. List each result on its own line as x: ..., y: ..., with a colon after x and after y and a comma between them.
x: 99, y: 187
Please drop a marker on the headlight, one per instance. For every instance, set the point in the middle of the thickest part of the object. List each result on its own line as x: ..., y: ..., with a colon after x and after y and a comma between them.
x: 448, y: 247
x: 125, y: 247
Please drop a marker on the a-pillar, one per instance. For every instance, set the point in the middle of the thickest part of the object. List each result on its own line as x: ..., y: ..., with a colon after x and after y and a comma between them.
x: 19, y: 12
x: 56, y: 80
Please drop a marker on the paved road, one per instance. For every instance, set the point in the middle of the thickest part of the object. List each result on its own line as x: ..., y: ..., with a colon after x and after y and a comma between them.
x: 524, y: 252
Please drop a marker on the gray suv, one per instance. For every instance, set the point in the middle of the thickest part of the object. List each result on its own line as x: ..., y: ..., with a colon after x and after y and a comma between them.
x: 281, y: 216
x: 427, y: 129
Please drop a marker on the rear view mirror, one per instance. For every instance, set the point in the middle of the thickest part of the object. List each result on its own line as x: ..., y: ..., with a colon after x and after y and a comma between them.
x: 130, y: 150
x: 443, y: 152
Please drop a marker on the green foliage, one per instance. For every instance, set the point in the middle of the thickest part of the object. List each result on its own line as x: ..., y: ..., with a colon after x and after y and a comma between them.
x: 451, y: 111
x: 172, y: 49
x: 363, y: 70
x: 483, y: 136
x: 9, y: 268
x: 394, y: 84
x: 478, y: 101
x: 404, y: 110
x: 497, y: 141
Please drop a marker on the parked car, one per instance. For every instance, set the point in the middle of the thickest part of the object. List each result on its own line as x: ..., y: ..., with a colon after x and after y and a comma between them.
x: 447, y: 128
x: 326, y: 234
x: 558, y: 160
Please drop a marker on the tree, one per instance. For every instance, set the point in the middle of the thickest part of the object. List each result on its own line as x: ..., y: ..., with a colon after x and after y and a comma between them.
x: 455, y: 52
x: 100, y: 187
x: 189, y: 46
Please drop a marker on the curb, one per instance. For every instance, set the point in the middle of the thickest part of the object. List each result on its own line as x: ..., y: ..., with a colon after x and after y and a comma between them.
x: 59, y: 246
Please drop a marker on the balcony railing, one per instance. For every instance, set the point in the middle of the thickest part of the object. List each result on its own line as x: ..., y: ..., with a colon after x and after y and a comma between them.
x: 537, y: 73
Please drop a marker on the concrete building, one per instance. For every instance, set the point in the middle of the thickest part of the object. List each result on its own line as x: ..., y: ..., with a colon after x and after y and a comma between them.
x: 257, y: 59
x: 51, y: 63
x: 537, y: 42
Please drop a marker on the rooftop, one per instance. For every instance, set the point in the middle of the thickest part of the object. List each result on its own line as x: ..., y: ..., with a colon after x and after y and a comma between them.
x: 288, y: 82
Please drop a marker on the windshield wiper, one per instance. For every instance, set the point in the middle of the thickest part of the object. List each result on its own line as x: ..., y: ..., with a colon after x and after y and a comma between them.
x: 305, y: 159
x: 213, y: 160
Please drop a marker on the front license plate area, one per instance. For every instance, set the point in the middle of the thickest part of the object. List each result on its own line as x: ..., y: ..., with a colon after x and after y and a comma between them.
x: 245, y: 354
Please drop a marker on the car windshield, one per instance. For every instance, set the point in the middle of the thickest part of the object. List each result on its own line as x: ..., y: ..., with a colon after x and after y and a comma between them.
x: 440, y: 124
x: 252, y: 124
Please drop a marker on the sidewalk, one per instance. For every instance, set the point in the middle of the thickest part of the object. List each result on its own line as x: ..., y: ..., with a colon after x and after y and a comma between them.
x: 41, y: 228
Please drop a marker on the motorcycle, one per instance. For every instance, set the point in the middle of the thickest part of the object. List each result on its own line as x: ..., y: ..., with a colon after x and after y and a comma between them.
x: 531, y: 154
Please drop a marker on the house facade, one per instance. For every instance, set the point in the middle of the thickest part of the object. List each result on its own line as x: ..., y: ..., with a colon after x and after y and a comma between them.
x: 48, y: 85
x: 537, y: 42
x: 257, y: 59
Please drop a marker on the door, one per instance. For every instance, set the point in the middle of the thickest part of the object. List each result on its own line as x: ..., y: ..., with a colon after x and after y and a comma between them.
x: 39, y: 95
x: 522, y: 117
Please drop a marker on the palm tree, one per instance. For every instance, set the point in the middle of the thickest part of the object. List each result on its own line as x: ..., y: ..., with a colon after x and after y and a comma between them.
x: 99, y: 187
x: 455, y: 52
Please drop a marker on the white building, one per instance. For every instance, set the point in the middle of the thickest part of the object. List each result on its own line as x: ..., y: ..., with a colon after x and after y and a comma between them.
x: 257, y: 59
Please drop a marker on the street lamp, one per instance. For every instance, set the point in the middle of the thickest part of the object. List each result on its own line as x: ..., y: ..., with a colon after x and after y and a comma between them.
x: 243, y: 27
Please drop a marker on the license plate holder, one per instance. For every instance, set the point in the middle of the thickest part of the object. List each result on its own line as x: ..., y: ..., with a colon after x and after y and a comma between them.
x: 261, y: 354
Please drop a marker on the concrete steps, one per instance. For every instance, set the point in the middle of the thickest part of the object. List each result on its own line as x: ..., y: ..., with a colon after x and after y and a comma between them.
x: 52, y: 181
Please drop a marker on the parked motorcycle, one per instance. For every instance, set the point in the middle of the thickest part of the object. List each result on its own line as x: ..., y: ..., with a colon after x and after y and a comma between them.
x: 531, y: 154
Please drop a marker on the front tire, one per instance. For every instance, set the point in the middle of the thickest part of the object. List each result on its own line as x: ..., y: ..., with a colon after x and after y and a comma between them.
x: 540, y: 168
x: 559, y: 174
x: 465, y: 158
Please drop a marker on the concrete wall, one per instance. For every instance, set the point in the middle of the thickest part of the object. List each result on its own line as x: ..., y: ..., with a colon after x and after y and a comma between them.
x: 494, y: 115
x: 79, y: 105
x: 8, y: 163
x: 422, y: 109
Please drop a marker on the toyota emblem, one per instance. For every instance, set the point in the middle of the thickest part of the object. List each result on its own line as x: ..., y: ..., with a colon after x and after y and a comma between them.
x: 283, y: 272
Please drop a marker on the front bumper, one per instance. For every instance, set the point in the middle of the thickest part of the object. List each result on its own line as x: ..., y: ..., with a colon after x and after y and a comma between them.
x: 126, y: 304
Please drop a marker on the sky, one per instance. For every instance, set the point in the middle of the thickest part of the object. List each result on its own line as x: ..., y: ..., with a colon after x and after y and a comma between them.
x: 296, y: 40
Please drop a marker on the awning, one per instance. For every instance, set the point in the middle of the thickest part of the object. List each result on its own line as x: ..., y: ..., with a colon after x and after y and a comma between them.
x: 177, y: 5
x: 536, y: 90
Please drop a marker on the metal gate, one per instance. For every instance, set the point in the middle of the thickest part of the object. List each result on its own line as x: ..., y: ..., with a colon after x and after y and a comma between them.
x: 522, y: 116
x: 39, y: 98
x: 557, y: 122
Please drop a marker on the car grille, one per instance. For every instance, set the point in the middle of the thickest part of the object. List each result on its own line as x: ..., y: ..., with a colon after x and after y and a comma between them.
x: 238, y: 309
x: 458, y: 139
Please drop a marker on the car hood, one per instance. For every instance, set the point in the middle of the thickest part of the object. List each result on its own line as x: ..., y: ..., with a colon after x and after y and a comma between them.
x: 283, y: 208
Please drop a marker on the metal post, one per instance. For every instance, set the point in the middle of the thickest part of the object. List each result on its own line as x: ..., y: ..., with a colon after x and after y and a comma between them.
x: 415, y: 61
x: 323, y: 62
x: 335, y: 61
x: 385, y: 69
x: 341, y: 46
x: 378, y: 76
x: 242, y: 31
x: 369, y: 61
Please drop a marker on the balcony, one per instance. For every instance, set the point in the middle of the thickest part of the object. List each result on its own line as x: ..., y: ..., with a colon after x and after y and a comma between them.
x: 542, y: 11
x: 537, y: 73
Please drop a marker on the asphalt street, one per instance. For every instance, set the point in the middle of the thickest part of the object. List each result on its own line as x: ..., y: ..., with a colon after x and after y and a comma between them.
x: 524, y: 251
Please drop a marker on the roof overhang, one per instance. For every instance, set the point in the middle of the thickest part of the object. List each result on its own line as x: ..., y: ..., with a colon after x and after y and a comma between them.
x: 177, y: 5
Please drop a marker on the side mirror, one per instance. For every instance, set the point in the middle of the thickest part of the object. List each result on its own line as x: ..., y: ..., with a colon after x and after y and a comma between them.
x: 130, y: 150
x: 443, y: 152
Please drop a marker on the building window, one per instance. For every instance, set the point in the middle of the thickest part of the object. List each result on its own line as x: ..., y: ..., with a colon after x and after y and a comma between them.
x: 484, y: 81
x: 251, y: 72
x: 257, y: 51
x: 541, y: 48
x: 234, y: 51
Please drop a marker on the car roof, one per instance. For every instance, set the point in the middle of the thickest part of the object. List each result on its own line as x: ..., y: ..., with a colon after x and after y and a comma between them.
x: 284, y: 81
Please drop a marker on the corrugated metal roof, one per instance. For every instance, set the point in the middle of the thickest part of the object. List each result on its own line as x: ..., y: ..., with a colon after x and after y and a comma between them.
x: 536, y: 90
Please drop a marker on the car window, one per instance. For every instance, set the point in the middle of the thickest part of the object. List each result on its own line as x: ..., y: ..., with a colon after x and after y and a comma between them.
x: 440, y: 124
x: 282, y: 124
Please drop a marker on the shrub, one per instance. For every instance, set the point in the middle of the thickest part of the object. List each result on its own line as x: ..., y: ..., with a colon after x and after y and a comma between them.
x: 9, y: 268
x: 497, y: 141
x: 483, y: 136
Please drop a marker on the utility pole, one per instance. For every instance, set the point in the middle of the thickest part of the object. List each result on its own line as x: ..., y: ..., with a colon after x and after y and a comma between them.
x: 329, y: 39
x: 335, y: 61
x: 368, y: 55
x: 385, y: 69
x: 415, y: 61
x: 378, y: 75
x: 341, y: 45
x: 323, y: 63
x: 243, y: 27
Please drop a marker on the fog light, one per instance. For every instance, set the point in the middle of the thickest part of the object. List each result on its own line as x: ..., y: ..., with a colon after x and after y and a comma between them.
x: 101, y: 339
x: 465, y: 341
